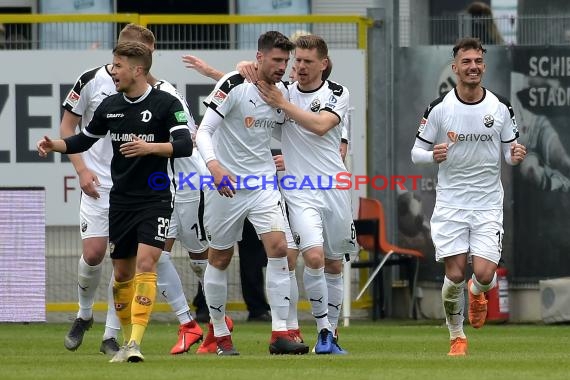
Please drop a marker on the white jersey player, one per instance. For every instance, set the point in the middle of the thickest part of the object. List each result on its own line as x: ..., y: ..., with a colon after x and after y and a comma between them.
x: 234, y: 140
x: 320, y: 214
x: 466, y: 131
x: 93, y: 170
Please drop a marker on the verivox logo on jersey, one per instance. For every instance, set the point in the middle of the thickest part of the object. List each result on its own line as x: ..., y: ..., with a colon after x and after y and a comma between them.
x: 456, y: 137
x: 251, y: 122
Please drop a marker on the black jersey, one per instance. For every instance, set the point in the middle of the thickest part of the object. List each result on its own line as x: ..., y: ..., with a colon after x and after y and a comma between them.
x: 152, y: 117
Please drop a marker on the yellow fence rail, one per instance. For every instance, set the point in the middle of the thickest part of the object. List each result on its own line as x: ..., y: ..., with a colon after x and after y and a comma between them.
x: 77, y: 31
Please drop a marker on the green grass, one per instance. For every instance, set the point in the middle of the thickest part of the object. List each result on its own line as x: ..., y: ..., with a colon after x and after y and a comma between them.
x: 382, y: 350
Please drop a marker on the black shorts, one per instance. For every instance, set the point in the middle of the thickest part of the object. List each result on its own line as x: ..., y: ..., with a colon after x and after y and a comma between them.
x: 129, y: 228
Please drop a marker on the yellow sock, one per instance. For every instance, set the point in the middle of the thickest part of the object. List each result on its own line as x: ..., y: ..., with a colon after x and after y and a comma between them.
x: 143, y: 301
x: 123, y: 293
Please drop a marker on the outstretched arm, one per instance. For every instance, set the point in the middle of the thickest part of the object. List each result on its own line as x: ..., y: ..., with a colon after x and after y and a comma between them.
x: 201, y: 66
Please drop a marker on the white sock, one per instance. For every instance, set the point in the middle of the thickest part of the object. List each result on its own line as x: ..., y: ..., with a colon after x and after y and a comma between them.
x: 278, y: 288
x: 199, y: 267
x: 169, y: 285
x: 453, y: 297
x: 478, y: 288
x: 335, y: 291
x: 88, y: 278
x: 216, y: 292
x: 316, y: 289
x: 292, y: 319
x: 112, y: 323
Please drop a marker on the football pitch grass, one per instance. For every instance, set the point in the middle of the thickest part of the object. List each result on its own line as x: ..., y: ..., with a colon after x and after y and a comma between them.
x: 380, y: 350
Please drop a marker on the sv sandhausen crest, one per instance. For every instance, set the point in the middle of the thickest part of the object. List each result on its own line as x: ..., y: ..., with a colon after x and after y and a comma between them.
x: 315, y: 105
x: 488, y: 120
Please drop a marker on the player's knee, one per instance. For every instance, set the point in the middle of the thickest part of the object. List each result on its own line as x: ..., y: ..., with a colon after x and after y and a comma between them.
x: 219, y: 259
x: 333, y: 266
x: 484, y: 277
x: 314, y: 259
x: 94, y: 252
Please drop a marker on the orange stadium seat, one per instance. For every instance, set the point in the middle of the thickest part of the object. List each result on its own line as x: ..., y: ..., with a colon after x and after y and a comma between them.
x: 371, y: 236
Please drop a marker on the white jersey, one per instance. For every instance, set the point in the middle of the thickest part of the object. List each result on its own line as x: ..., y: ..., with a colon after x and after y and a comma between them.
x: 184, y: 167
x: 242, y: 142
x: 470, y: 177
x: 89, y: 90
x: 306, y: 153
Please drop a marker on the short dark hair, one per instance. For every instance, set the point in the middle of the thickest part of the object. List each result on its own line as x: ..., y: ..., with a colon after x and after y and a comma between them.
x: 137, y: 51
x: 467, y: 43
x: 273, y: 39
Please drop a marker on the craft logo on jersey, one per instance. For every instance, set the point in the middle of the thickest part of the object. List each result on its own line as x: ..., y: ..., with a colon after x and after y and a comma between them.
x: 488, y: 120
x: 219, y: 97
x: 315, y: 105
x: 146, y: 116
x: 115, y: 115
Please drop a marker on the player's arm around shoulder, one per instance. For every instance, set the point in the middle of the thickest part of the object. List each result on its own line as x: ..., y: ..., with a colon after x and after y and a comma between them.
x: 317, y: 122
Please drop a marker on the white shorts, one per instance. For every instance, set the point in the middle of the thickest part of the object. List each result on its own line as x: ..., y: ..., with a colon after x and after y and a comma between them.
x: 224, y: 217
x: 476, y: 232
x: 186, y: 226
x: 94, y: 214
x: 322, y: 218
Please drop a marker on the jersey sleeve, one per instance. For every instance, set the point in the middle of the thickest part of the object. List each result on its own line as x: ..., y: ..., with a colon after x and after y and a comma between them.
x: 77, y: 100
x: 169, y: 88
x: 510, y: 131
x: 427, y: 131
x: 176, y: 118
x: 337, y: 102
x: 225, y: 94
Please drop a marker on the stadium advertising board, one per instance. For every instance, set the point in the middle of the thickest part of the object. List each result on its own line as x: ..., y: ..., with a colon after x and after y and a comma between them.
x: 32, y: 91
